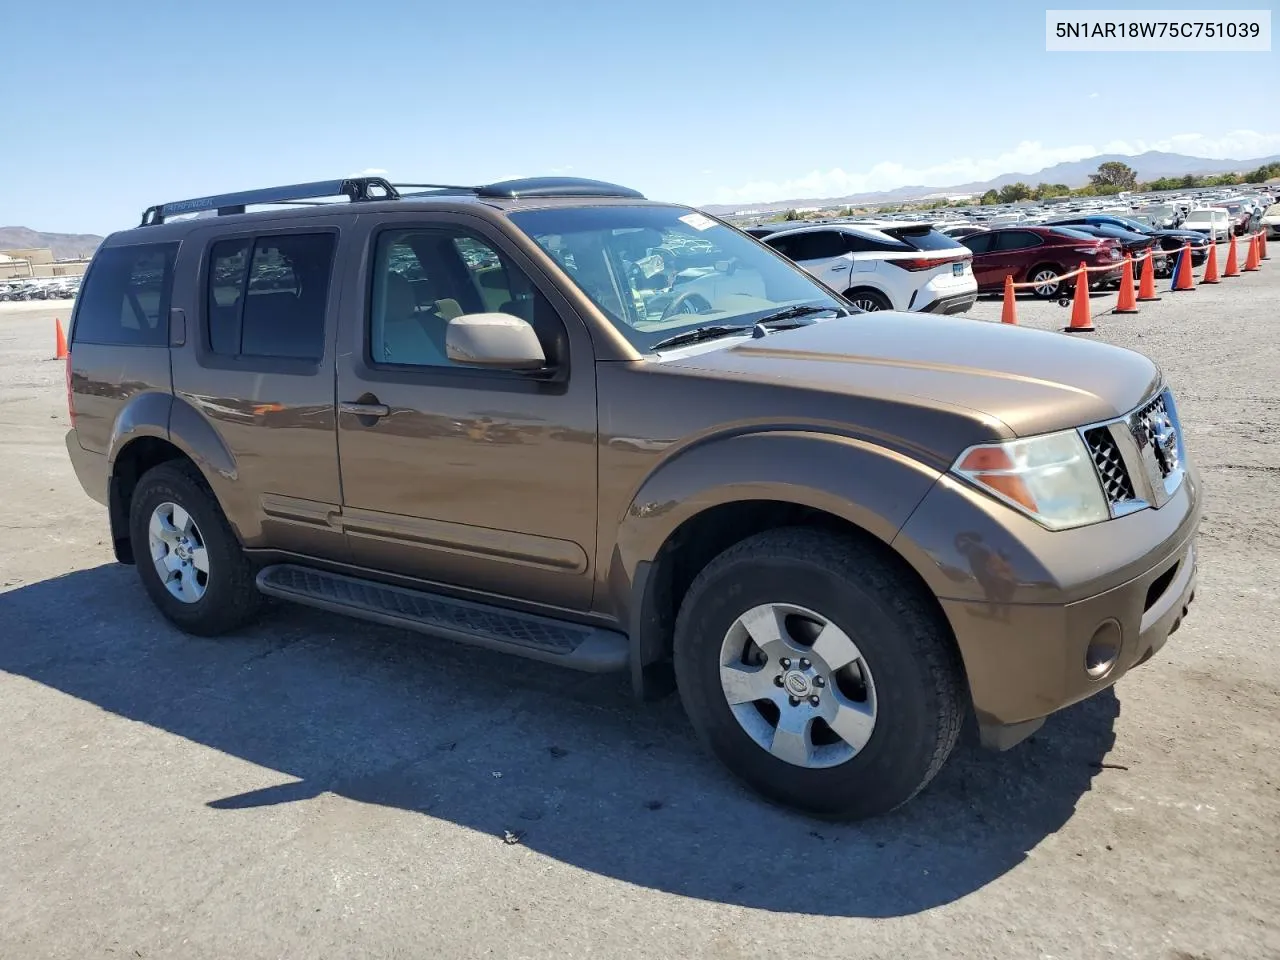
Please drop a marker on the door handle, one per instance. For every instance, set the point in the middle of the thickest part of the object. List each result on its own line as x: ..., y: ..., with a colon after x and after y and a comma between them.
x: 364, y: 409
x: 841, y: 266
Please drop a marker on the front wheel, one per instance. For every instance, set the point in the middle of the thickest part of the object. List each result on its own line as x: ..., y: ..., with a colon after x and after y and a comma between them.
x: 818, y: 673
x: 188, y: 558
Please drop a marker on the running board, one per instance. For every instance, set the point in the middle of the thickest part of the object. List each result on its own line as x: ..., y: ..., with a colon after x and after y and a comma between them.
x: 572, y: 645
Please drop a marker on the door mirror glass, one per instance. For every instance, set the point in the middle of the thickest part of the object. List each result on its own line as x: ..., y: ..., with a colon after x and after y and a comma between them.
x: 494, y: 340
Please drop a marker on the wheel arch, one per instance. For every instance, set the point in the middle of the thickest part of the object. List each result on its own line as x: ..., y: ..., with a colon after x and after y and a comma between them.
x: 698, y: 505
x: 143, y: 439
x: 869, y: 286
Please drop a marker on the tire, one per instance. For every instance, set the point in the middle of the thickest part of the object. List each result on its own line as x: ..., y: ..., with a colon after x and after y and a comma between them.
x: 868, y: 300
x: 1047, y: 290
x: 908, y: 673
x: 228, y: 597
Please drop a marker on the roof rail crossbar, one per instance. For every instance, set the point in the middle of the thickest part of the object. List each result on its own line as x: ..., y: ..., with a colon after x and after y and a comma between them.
x: 354, y: 189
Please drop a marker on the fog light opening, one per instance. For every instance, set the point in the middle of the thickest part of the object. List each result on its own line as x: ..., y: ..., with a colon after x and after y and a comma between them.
x: 1103, y: 650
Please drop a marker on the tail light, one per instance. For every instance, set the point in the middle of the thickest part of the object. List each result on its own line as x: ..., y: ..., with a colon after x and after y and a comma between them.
x: 71, y: 407
x: 928, y: 263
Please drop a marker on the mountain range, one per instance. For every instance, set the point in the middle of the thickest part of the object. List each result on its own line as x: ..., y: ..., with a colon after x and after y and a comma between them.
x: 63, y: 245
x: 1149, y: 166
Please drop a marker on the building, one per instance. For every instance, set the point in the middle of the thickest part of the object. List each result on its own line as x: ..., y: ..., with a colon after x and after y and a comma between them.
x: 38, y: 262
x: 11, y: 268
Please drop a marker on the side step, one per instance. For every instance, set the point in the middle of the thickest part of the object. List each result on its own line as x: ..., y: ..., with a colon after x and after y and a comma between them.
x: 573, y: 645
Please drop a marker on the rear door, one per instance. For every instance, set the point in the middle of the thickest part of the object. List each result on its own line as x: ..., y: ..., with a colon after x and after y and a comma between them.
x: 1014, y: 253
x: 822, y: 253
x: 255, y: 374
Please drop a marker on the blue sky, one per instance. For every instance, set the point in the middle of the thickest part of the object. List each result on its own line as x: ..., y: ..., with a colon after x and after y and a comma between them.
x: 112, y: 106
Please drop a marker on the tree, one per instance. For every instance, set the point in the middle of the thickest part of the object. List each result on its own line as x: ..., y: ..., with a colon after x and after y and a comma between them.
x: 1015, y: 192
x: 1115, y: 174
x: 1045, y: 190
x: 989, y: 198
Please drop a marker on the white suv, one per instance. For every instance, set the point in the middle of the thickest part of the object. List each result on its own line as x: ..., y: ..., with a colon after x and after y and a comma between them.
x: 885, y: 265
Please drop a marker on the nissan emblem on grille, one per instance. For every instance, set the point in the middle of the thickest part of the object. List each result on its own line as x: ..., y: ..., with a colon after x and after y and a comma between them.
x: 1164, y: 440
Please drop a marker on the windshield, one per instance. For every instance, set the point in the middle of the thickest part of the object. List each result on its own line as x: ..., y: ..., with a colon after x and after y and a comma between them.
x: 656, y: 271
x: 1202, y: 216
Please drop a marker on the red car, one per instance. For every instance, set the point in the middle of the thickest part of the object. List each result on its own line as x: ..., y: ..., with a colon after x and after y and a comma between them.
x: 1040, y: 255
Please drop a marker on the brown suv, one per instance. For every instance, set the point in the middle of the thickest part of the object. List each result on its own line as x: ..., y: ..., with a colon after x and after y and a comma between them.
x: 555, y: 419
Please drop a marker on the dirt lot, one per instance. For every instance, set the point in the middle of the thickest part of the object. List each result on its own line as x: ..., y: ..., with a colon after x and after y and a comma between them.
x: 324, y: 788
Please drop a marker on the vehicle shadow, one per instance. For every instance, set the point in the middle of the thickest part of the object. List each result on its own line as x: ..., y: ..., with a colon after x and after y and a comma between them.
x: 564, y: 763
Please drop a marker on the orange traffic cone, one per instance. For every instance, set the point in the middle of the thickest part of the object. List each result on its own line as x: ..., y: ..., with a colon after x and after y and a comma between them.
x: 1125, y: 303
x: 1262, y: 245
x: 1147, y: 285
x: 1182, y: 279
x: 60, y: 344
x: 1251, y: 261
x: 1081, y: 322
x: 1233, y: 264
x: 1211, y: 274
x: 1009, y: 312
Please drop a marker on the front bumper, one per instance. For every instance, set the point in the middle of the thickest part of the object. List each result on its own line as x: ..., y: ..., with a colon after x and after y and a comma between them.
x: 1050, y: 646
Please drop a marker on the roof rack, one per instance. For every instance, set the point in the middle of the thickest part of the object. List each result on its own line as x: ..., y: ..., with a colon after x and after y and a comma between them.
x: 353, y: 188
x: 358, y: 189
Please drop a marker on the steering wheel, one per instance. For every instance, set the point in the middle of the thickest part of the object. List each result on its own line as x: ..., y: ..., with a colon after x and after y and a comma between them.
x: 690, y: 301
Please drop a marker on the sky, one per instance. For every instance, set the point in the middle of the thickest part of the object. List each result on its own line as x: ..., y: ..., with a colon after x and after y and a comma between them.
x: 109, y: 107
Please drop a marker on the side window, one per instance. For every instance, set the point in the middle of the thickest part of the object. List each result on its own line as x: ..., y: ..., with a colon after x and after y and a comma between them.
x: 126, y: 296
x: 978, y: 242
x: 818, y: 245
x: 783, y: 245
x: 268, y: 299
x: 856, y: 243
x: 1017, y: 240
x: 424, y: 277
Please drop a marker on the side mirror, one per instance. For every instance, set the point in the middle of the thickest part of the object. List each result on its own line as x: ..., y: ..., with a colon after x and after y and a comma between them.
x: 493, y: 340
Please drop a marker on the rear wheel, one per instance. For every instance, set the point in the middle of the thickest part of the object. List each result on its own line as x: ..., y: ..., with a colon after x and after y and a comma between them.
x: 188, y: 558
x: 1046, y: 279
x: 818, y: 673
x: 868, y: 300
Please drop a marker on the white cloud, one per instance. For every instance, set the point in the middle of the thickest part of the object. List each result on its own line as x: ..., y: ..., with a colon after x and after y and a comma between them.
x: 1093, y: 96
x: 1235, y: 145
x: 1028, y: 157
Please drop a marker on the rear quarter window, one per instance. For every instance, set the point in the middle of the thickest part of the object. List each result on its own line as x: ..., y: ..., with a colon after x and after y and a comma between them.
x: 927, y: 240
x: 125, y: 297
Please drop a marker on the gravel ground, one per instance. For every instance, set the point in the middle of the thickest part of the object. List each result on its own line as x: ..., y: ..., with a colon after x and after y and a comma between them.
x: 323, y: 788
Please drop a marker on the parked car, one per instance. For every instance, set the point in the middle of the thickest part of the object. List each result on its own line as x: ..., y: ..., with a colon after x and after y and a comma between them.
x: 1133, y: 244
x: 1243, y: 216
x: 1169, y: 240
x: 837, y: 535
x: 1040, y: 255
x: 1271, y: 221
x: 1212, y: 222
x: 884, y: 266
x: 1162, y: 216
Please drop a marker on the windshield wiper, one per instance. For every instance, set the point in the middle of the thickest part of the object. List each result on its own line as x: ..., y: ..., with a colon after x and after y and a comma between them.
x: 697, y: 334
x: 775, y: 321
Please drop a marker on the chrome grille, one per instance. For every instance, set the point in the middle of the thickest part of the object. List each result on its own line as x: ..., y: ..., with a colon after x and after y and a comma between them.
x: 1139, y: 457
x: 1111, y: 471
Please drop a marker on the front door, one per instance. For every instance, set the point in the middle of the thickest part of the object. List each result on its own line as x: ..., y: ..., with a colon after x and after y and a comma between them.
x: 476, y: 478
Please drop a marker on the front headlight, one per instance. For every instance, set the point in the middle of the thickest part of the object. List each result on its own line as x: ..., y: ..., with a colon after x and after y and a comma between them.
x: 1050, y: 478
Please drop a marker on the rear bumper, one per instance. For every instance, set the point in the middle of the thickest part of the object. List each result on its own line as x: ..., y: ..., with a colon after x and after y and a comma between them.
x: 91, y: 468
x: 957, y: 303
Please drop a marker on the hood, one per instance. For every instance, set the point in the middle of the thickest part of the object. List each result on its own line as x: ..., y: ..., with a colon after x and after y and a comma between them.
x: 1029, y: 380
